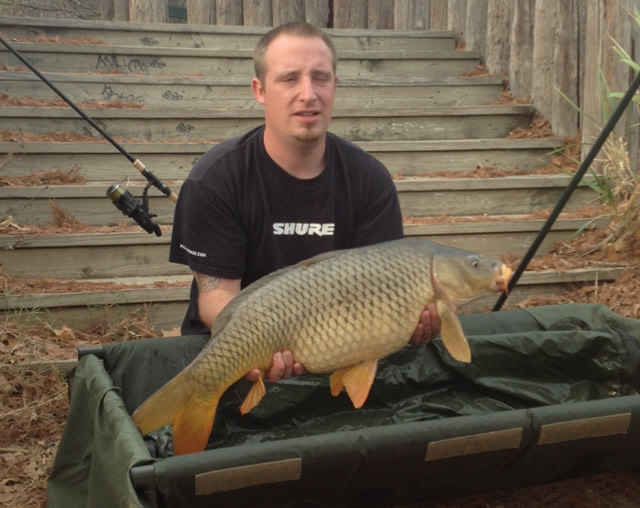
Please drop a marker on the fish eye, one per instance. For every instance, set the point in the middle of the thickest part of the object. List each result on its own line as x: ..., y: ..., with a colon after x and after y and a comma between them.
x: 475, y: 262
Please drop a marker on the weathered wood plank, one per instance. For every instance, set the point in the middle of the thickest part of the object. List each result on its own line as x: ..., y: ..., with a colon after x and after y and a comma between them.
x: 457, y: 18
x: 439, y: 14
x: 429, y: 197
x: 350, y: 13
x: 371, y: 65
x: 167, y: 306
x: 150, y: 11
x: 257, y: 13
x: 475, y: 32
x: 317, y: 12
x: 173, y: 93
x: 412, y: 15
x: 380, y: 14
x: 499, y: 17
x: 543, y: 52
x: 229, y: 12
x: 285, y: 11
x: 221, y: 36
x: 605, y: 19
x: 521, y: 48
x: 171, y: 161
x: 105, y: 255
x: 201, y: 12
x: 362, y: 125
x: 565, y: 119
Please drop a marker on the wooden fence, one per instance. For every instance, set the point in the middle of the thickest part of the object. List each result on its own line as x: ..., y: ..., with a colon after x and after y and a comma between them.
x: 557, y: 52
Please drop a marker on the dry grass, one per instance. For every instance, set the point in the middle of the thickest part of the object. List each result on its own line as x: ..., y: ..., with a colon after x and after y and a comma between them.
x: 54, y: 176
x: 33, y: 400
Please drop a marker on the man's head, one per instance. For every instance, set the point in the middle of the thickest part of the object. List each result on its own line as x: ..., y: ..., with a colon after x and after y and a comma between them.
x: 296, y: 82
x: 297, y: 29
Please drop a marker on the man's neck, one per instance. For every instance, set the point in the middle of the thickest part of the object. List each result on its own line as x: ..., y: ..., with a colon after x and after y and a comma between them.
x: 301, y: 160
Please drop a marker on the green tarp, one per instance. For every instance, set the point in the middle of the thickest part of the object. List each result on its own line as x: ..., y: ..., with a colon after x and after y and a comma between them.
x: 550, y: 391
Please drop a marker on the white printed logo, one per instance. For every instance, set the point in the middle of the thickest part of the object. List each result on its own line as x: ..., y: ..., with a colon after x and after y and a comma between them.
x: 193, y: 252
x: 303, y: 228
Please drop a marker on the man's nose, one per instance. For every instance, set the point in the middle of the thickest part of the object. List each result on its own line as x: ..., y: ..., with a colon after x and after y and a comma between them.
x: 307, y: 90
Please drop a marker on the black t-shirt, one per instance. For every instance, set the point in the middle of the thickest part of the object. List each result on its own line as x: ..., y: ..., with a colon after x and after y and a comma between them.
x: 240, y: 216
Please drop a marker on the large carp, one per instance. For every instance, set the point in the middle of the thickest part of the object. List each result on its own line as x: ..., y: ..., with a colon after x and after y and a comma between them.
x: 338, y: 312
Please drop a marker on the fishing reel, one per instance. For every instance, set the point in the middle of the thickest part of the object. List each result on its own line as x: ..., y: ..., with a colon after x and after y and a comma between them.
x: 131, y: 207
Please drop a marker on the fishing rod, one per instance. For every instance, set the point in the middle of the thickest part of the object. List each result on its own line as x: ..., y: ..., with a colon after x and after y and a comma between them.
x: 573, y: 184
x: 120, y: 197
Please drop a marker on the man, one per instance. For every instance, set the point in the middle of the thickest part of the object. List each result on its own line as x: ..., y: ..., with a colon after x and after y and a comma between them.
x: 283, y: 192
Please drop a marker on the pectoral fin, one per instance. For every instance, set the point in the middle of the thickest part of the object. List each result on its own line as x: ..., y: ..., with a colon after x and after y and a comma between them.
x: 452, y: 334
x: 254, y: 396
x: 357, y: 380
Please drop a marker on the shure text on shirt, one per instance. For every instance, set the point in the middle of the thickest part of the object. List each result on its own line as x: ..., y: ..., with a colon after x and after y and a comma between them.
x: 303, y: 228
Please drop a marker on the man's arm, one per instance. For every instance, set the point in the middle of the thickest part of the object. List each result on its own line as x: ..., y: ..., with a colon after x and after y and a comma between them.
x: 214, y: 293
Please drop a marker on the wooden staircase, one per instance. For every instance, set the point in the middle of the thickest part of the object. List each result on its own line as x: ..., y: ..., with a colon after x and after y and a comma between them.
x: 402, y: 96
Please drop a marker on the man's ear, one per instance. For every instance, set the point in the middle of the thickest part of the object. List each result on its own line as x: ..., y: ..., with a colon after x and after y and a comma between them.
x: 258, y: 90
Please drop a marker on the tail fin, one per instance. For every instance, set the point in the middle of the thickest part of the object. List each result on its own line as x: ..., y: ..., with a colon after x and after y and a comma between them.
x: 190, y: 413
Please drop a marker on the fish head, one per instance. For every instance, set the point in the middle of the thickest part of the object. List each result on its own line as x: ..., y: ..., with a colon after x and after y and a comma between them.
x: 463, y: 276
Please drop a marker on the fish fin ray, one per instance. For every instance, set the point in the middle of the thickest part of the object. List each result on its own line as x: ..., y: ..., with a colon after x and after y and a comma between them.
x: 254, y: 396
x: 336, y: 382
x: 358, y: 380
x: 162, y: 407
x: 452, y: 334
x: 193, y: 423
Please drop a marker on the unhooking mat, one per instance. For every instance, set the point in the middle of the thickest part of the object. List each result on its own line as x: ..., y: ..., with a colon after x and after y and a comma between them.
x: 551, y: 391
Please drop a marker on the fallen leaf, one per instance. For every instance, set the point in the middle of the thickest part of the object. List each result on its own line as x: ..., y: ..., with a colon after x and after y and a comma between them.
x: 65, y: 333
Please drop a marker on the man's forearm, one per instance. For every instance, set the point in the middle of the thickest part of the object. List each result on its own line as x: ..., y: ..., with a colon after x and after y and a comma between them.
x: 214, y: 293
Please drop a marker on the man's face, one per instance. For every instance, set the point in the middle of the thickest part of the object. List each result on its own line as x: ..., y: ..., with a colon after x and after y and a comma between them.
x: 298, y: 89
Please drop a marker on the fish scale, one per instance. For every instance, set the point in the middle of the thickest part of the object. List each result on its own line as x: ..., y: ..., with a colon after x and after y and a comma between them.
x: 338, y: 312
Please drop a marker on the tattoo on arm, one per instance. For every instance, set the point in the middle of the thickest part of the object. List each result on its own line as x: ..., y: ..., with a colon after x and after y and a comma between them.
x: 207, y: 283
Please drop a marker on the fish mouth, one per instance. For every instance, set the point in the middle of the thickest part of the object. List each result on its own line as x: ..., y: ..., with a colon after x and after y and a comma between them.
x: 502, y: 279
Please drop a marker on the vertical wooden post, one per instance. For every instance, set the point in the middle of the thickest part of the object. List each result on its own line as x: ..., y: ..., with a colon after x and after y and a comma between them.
x: 439, y: 15
x: 499, y: 18
x: 475, y: 32
x: 229, y: 12
x: 521, y: 48
x: 565, y: 118
x: 456, y: 17
x: 317, y: 12
x: 411, y: 14
x: 606, y: 19
x: 350, y: 13
x: 380, y: 13
x: 287, y: 10
x: 543, y: 50
x: 257, y: 13
x: 201, y: 12
x: 148, y: 11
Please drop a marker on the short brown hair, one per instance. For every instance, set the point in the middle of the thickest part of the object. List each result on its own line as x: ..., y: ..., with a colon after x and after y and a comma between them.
x: 297, y: 28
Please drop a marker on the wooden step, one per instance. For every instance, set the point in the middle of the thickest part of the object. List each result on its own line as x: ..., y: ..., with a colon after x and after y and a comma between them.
x: 379, y: 65
x: 167, y: 305
x: 154, y: 125
x: 173, y: 161
x: 209, y: 93
x: 136, y: 253
x: 213, y: 36
x: 418, y: 197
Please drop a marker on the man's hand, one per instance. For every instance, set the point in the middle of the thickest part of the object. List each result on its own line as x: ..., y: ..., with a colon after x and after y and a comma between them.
x: 282, y: 367
x: 428, y: 326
